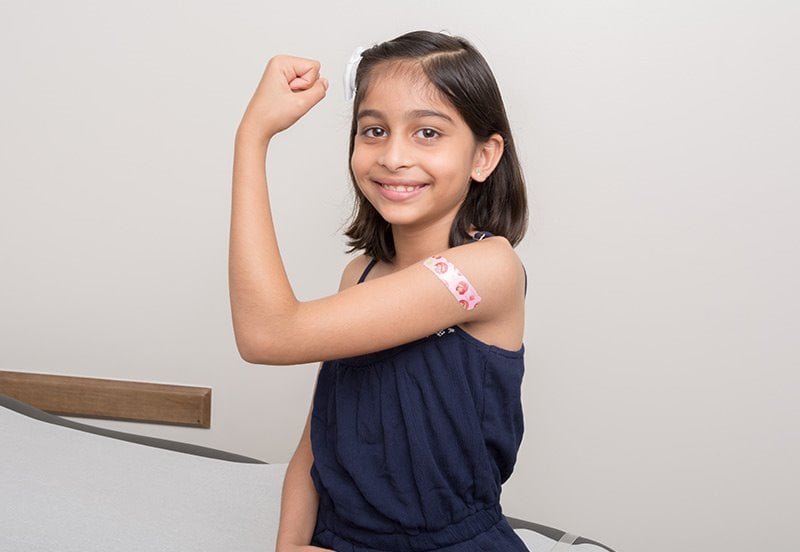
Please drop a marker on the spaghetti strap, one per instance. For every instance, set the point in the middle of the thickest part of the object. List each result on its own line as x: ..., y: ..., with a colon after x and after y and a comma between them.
x: 369, y: 267
x: 525, y: 272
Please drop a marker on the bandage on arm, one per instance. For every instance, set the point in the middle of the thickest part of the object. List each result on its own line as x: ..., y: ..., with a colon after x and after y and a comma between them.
x: 454, y: 280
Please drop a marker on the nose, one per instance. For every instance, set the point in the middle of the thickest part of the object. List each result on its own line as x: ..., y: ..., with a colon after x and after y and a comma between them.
x: 396, y: 154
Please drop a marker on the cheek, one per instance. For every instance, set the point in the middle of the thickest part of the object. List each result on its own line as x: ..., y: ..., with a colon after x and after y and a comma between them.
x: 457, y: 162
x: 358, y: 162
x: 451, y: 167
x: 359, y: 165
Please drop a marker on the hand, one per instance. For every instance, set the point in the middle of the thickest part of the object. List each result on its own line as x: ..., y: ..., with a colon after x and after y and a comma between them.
x: 289, y: 88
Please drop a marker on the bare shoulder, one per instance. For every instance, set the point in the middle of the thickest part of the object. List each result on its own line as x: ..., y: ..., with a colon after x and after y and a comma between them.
x: 353, y: 270
x: 494, y: 268
x: 492, y: 260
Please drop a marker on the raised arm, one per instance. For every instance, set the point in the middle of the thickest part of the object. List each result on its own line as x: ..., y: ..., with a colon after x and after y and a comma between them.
x: 270, y: 324
x: 258, y: 284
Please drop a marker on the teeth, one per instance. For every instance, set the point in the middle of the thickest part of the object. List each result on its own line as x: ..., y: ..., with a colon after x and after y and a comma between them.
x: 400, y: 188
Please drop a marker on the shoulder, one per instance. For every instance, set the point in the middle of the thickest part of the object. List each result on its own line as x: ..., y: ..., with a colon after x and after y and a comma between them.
x: 353, y: 270
x: 499, y: 263
x: 494, y: 269
x: 493, y: 258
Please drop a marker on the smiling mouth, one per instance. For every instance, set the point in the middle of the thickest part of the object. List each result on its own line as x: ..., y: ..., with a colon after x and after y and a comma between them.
x: 401, y: 188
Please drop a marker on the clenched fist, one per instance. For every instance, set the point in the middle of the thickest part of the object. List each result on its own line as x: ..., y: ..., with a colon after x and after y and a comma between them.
x: 289, y: 88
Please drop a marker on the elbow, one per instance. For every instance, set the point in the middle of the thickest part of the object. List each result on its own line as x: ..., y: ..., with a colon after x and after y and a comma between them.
x: 246, y: 351
x: 271, y: 339
x: 249, y: 354
x: 272, y: 351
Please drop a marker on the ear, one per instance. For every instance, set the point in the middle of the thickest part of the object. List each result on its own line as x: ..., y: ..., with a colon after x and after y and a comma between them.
x: 487, y: 156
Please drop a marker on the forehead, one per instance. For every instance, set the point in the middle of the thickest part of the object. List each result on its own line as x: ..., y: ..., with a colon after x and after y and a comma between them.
x: 403, y: 87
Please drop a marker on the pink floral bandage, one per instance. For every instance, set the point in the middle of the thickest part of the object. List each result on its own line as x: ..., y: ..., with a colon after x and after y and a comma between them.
x: 456, y: 282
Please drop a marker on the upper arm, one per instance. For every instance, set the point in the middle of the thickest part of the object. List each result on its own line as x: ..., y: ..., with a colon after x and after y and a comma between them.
x: 394, y: 309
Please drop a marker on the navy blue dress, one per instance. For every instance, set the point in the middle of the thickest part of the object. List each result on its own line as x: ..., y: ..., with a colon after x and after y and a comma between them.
x: 412, y: 444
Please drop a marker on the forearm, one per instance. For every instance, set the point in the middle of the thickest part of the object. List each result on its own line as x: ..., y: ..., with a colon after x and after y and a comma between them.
x: 260, y: 292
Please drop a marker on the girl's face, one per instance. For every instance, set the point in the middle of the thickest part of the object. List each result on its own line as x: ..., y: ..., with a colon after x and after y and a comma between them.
x: 413, y: 154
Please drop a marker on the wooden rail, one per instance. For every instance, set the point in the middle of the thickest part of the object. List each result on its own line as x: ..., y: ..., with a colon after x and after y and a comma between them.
x: 111, y: 399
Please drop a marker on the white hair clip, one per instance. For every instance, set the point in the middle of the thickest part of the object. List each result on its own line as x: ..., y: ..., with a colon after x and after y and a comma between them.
x: 350, y: 74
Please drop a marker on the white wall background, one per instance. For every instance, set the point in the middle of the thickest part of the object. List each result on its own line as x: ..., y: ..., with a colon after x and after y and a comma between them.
x: 660, y: 143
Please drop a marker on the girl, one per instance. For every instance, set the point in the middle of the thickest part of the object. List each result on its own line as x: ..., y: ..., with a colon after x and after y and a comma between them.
x: 416, y: 423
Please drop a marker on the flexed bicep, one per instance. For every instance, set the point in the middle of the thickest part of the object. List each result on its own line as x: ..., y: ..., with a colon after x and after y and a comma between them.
x: 394, y: 309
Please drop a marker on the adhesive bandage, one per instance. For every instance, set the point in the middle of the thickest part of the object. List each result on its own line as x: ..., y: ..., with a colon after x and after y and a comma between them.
x: 456, y: 282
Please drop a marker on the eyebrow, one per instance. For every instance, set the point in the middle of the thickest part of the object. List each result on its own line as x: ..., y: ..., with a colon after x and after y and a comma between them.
x: 415, y: 114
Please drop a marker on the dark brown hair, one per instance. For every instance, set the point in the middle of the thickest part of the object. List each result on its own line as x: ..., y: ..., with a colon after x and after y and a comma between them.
x: 461, y: 75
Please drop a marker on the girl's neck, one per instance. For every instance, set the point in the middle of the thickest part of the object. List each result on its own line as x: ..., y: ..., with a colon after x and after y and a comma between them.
x: 415, y: 245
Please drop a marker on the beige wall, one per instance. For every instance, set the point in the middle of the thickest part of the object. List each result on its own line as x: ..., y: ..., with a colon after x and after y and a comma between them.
x: 660, y: 144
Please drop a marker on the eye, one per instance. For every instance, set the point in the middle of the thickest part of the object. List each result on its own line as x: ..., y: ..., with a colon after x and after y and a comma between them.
x: 427, y: 133
x: 374, y: 132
